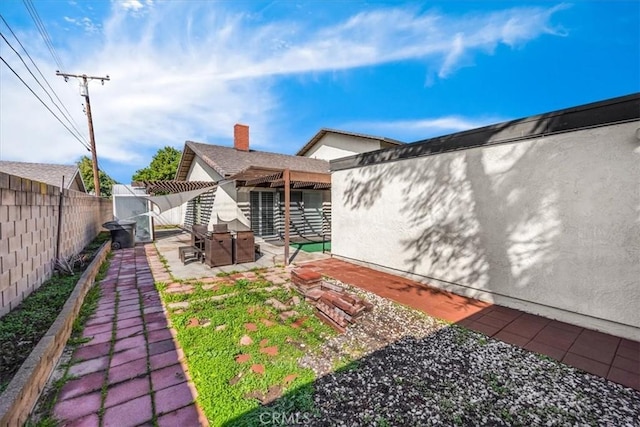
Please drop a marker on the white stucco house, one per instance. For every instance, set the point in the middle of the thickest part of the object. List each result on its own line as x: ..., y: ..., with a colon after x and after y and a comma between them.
x: 330, y: 144
x: 250, y: 187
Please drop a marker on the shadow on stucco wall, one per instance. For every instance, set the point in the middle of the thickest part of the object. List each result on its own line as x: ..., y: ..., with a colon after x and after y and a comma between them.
x: 504, y: 218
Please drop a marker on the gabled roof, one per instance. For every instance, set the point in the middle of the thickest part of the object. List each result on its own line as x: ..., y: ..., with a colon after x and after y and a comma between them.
x: 228, y: 161
x: 45, y: 172
x: 322, y: 132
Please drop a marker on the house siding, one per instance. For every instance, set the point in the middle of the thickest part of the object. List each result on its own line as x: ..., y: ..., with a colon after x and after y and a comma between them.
x: 334, y: 146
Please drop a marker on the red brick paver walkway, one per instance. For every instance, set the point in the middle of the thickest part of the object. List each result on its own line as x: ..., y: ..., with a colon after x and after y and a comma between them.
x: 129, y: 373
x: 608, y: 356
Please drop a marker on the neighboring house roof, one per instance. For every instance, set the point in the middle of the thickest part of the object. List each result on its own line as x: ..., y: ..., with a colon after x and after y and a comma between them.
x: 322, y: 132
x: 228, y: 161
x: 45, y: 172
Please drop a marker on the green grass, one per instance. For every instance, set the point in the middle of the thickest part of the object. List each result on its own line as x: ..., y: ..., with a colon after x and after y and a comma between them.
x: 211, y: 353
x: 313, y: 247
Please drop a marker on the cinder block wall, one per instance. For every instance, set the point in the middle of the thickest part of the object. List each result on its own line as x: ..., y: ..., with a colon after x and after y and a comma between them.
x: 28, y: 229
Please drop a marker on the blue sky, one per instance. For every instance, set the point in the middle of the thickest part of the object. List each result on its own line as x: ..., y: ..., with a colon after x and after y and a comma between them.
x: 190, y: 70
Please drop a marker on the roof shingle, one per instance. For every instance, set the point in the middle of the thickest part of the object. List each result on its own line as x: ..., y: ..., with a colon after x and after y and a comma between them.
x: 228, y: 161
x: 42, y: 172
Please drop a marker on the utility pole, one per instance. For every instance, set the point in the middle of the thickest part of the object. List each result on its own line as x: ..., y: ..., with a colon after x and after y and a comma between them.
x: 84, y: 91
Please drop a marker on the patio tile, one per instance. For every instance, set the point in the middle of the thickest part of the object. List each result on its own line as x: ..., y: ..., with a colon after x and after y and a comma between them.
x: 526, y: 325
x: 152, y: 325
x: 92, y: 351
x: 493, y: 321
x: 588, y: 365
x: 626, y: 364
x: 172, y: 398
x: 127, y: 323
x: 131, y: 413
x: 131, y: 342
x: 596, y: 346
x: 90, y: 366
x: 547, y: 350
x: 161, y: 347
x: 105, y: 312
x: 128, y: 314
x: 134, y: 308
x: 510, y: 338
x: 187, y: 416
x: 101, y: 337
x: 159, y: 335
x: 626, y: 378
x: 167, y: 376
x: 162, y: 360
x: 126, y: 391
x: 149, y: 310
x: 82, y: 385
x: 127, y: 371
x: 483, y: 328
x: 90, y: 331
x: 629, y: 349
x: 128, y: 355
x: 77, y: 407
x: 132, y: 300
x: 558, y: 338
x: 91, y: 420
x: 129, y: 332
x: 565, y: 326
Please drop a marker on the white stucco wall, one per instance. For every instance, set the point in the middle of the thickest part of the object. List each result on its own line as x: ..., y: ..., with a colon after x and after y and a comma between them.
x: 335, y: 146
x: 550, y: 225
x: 225, y: 204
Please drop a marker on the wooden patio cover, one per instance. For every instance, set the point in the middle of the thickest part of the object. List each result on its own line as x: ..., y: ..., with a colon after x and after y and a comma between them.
x: 172, y: 186
x: 269, y: 177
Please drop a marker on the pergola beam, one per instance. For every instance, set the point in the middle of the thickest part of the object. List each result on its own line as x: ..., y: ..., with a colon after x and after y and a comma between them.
x: 287, y: 213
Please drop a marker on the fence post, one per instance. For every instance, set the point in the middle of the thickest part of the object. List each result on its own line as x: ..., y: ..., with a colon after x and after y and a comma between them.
x: 60, y: 203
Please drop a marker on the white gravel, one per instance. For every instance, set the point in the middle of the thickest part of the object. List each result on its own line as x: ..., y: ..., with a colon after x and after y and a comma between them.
x: 404, y: 368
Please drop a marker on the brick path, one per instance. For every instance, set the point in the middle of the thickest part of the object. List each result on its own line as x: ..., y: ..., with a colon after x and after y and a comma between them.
x: 130, y: 372
x: 607, y: 356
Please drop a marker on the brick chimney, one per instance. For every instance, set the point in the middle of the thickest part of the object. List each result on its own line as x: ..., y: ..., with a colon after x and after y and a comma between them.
x: 241, y: 137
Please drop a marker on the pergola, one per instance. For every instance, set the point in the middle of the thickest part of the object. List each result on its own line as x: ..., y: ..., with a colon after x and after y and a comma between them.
x: 171, y: 186
x: 270, y: 177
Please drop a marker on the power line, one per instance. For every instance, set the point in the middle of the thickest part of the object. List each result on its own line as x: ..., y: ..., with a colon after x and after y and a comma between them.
x: 43, y: 32
x: 85, y: 86
x: 43, y: 103
x: 74, y: 124
x: 45, y: 90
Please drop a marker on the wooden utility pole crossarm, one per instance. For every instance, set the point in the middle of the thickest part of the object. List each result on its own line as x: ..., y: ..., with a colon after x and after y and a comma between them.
x: 85, y: 87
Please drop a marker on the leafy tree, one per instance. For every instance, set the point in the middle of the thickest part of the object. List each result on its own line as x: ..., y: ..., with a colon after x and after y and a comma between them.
x: 163, y: 166
x: 86, y: 171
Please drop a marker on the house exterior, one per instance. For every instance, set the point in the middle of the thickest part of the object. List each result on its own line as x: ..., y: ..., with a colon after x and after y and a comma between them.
x: 250, y: 192
x: 330, y: 144
x: 538, y: 214
x: 47, y: 173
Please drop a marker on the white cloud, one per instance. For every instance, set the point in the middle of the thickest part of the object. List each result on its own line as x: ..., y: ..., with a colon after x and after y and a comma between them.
x: 134, y: 5
x: 191, y: 70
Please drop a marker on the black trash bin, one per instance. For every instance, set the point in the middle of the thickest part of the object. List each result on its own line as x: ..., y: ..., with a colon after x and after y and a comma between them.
x: 123, y: 233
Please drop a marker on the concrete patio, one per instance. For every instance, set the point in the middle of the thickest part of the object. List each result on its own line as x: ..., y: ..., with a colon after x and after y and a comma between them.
x: 168, y: 241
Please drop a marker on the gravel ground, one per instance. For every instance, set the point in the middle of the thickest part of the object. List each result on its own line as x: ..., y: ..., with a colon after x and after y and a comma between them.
x: 399, y: 367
